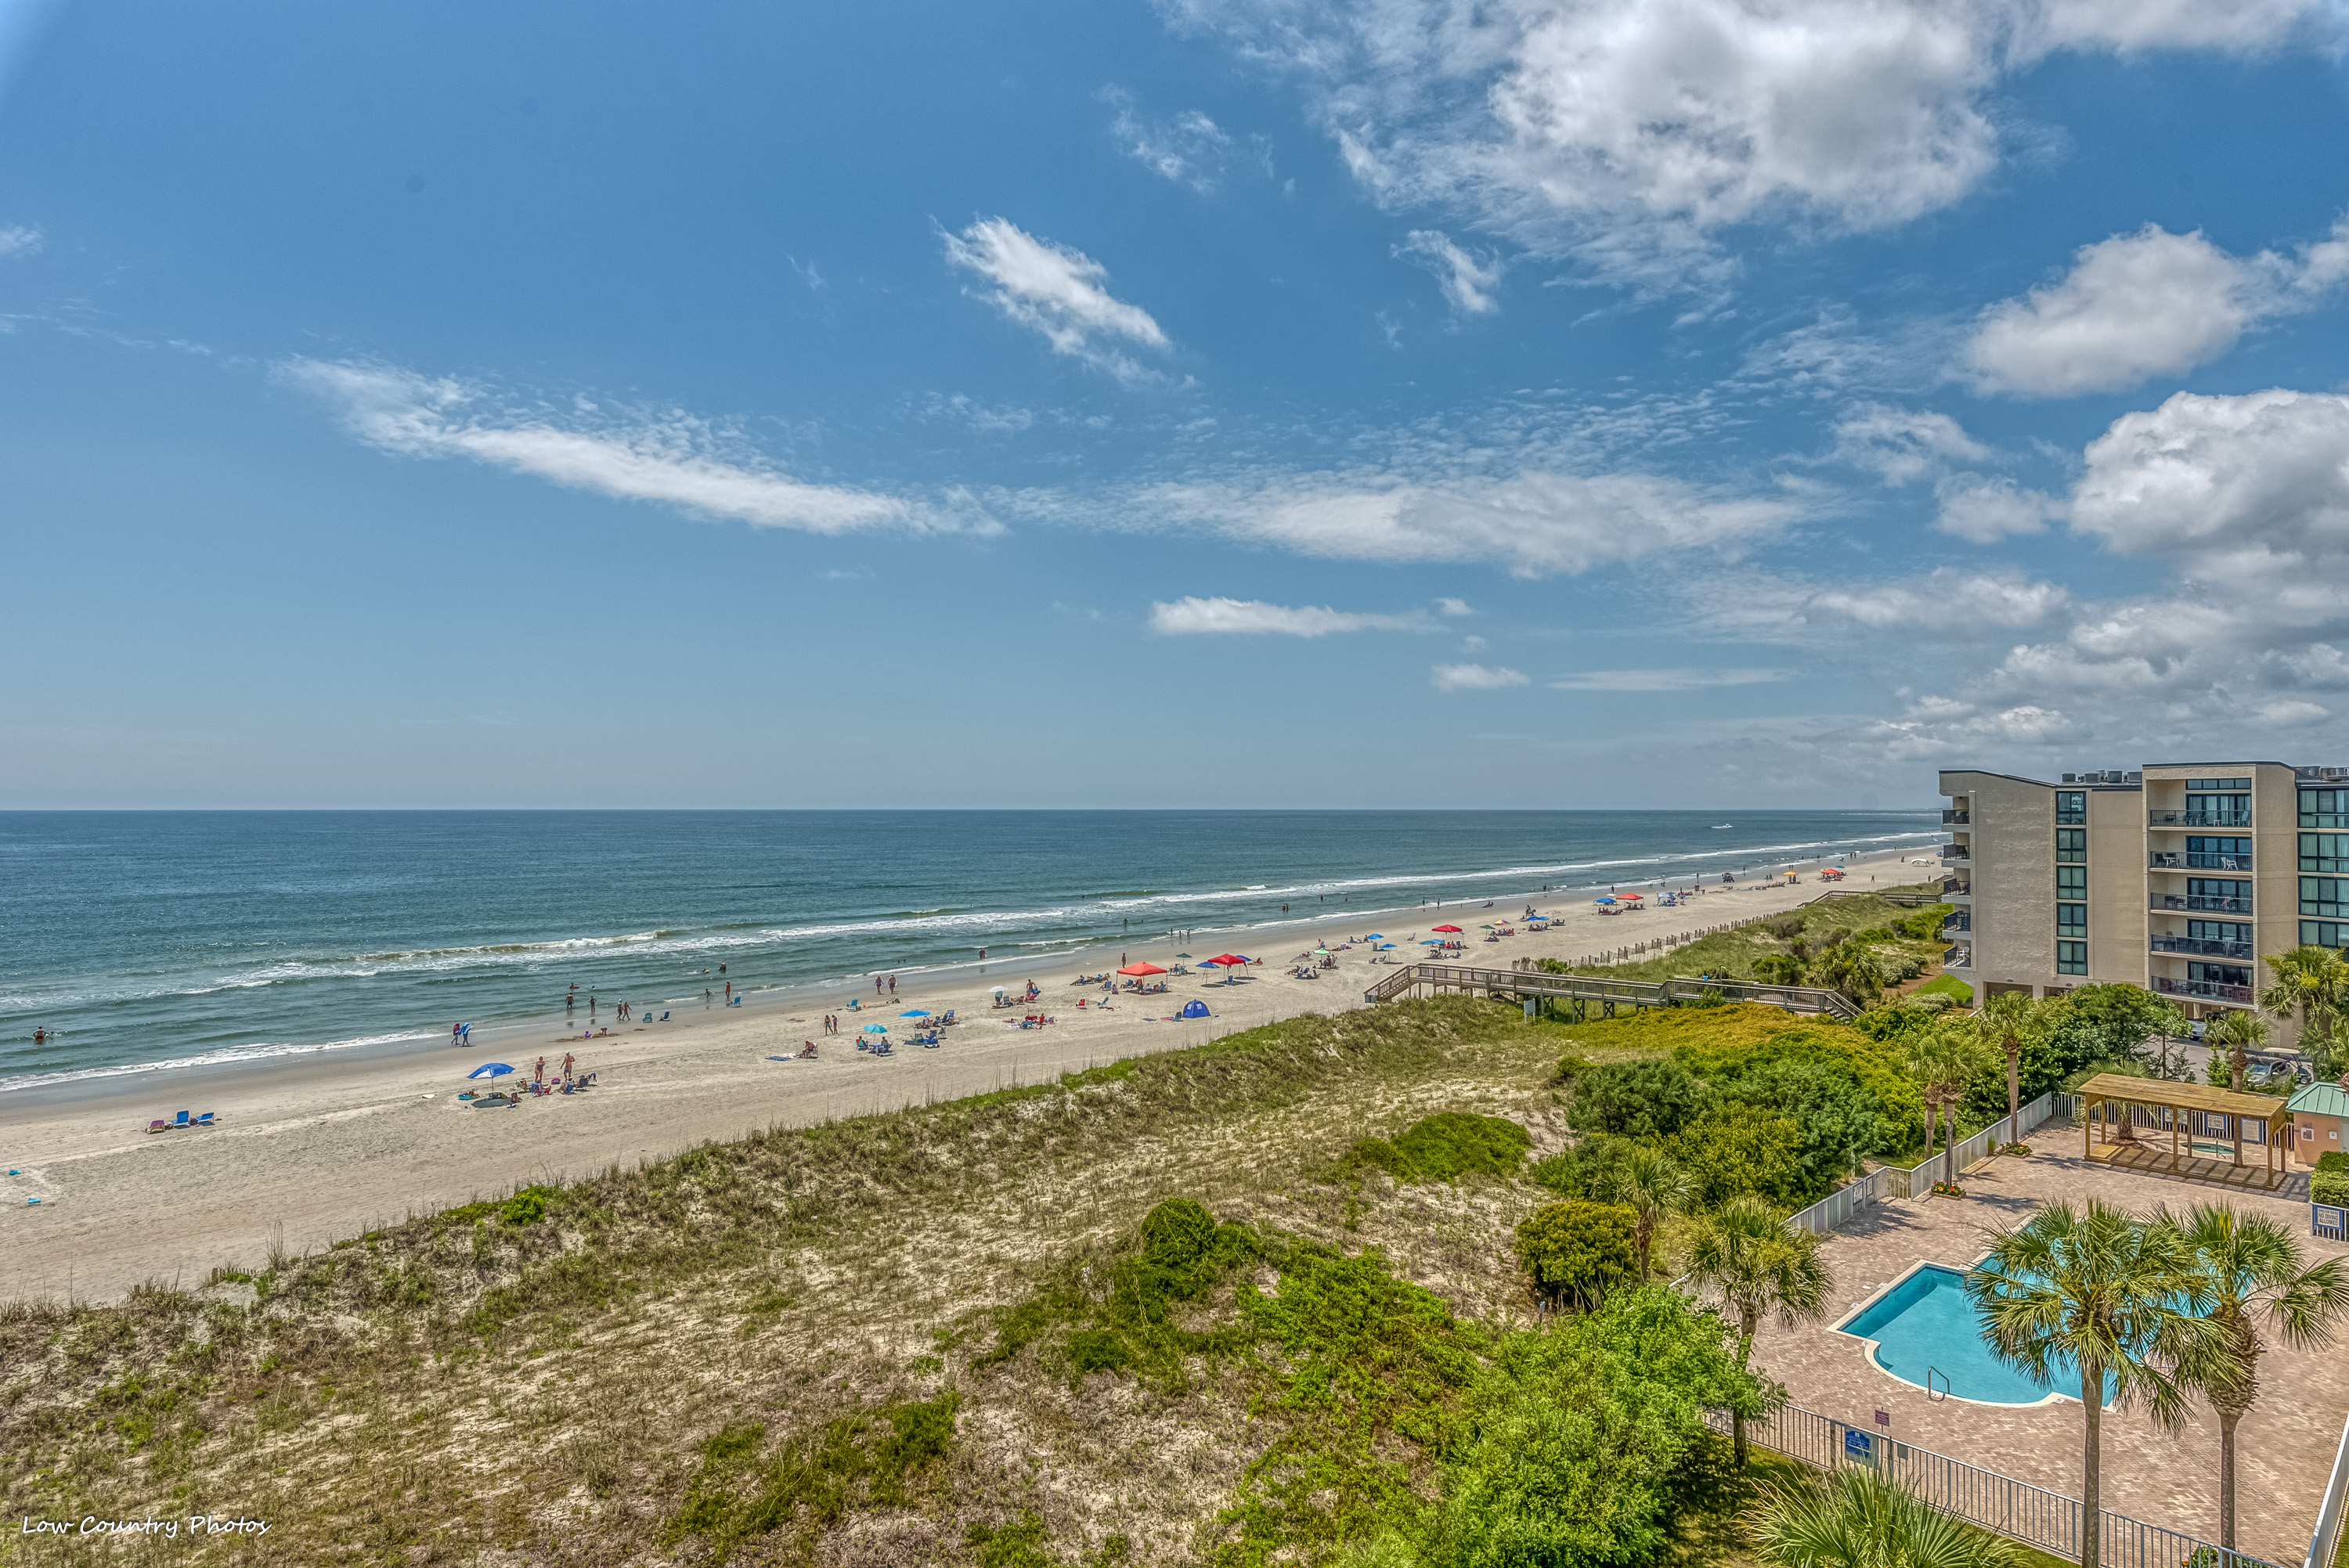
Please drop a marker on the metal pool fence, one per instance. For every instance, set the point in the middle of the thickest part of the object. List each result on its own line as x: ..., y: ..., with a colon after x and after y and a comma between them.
x: 1892, y: 1182
x: 2031, y: 1514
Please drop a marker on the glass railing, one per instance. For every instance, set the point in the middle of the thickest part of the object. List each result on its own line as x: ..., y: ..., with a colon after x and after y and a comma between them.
x: 2205, y: 904
x: 1957, y: 958
x: 2199, y: 819
x: 1957, y: 816
x: 1952, y: 887
x: 2209, y: 990
x: 2203, y: 947
x: 1956, y: 924
x: 1955, y: 853
x: 2165, y: 861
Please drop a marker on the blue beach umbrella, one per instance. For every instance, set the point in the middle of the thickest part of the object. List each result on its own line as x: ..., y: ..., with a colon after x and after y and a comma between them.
x: 912, y: 1013
x: 490, y: 1069
x: 1376, y: 936
x: 876, y: 1028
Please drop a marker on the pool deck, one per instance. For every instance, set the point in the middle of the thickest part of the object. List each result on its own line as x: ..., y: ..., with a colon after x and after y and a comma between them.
x: 2284, y: 1447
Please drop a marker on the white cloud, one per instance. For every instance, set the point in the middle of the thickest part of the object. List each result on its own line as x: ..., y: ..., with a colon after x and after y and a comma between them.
x: 1466, y: 281
x: 1190, y: 149
x: 2257, y: 483
x: 1987, y: 510
x: 1899, y: 445
x: 1453, y: 607
x: 2137, y: 305
x: 1535, y: 523
x: 1944, y: 601
x: 673, y: 459
x: 19, y: 239
x: 1058, y: 292
x: 1194, y: 615
x: 1663, y: 680
x: 1630, y: 132
x: 1476, y: 678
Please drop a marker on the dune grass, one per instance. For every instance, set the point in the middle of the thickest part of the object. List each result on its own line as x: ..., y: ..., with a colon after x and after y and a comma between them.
x: 1734, y: 952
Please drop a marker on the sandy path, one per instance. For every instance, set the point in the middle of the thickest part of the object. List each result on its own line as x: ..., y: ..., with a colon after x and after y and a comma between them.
x: 312, y: 1150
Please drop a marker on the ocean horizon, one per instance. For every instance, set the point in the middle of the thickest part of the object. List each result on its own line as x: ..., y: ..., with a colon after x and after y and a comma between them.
x: 147, y: 938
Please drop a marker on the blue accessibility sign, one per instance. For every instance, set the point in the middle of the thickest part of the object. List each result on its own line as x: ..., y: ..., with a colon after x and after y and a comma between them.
x: 1859, y: 1445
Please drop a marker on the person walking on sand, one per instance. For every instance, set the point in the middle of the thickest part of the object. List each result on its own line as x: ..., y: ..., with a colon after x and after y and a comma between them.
x: 538, y: 1073
x: 566, y: 1065
x: 456, y: 1034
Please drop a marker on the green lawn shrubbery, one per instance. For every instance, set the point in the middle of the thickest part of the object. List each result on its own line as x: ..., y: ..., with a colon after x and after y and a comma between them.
x: 1445, y: 1147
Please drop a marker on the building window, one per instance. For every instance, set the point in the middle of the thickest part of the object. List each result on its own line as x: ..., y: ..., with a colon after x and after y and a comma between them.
x: 2324, y: 852
x: 2220, y: 974
x: 2072, y: 806
x: 2325, y: 808
x: 2218, y: 810
x: 2071, y: 958
x: 2324, y: 933
x: 2071, y: 920
x: 2072, y: 844
x: 2218, y: 931
x: 2217, y: 783
x: 2327, y: 898
x: 2072, y: 882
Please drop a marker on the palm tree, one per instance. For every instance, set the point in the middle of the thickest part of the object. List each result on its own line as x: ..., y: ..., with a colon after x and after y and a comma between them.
x: 2007, y: 1020
x: 2311, y: 982
x: 1746, y: 1253
x: 2251, y: 1269
x: 2095, y: 1292
x: 2240, y: 1029
x: 1945, y: 1058
x: 1857, y: 1519
x: 1648, y: 1182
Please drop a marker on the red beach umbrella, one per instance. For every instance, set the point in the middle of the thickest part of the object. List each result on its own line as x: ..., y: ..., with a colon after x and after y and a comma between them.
x: 1141, y: 969
x: 1445, y: 928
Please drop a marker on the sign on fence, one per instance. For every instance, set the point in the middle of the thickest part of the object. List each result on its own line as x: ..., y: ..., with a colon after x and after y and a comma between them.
x: 1858, y: 1446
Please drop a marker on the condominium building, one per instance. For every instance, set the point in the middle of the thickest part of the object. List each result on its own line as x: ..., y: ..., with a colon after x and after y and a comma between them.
x: 2175, y: 876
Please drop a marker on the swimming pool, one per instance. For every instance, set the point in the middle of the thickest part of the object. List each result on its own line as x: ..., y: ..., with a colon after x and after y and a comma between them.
x: 1924, y: 1331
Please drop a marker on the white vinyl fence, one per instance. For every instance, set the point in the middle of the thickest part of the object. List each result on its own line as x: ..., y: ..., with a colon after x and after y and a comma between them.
x: 1892, y: 1182
x: 2326, y: 1542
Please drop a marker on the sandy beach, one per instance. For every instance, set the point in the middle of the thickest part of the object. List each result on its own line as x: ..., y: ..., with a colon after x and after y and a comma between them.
x: 314, y: 1148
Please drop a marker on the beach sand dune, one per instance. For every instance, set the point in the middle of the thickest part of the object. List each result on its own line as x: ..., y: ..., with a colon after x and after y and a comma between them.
x: 312, y: 1150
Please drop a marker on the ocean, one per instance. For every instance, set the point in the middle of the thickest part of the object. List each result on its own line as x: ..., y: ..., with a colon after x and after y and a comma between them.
x: 137, y: 938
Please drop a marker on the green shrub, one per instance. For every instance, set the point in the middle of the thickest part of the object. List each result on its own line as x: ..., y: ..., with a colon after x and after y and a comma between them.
x: 1580, y: 1169
x: 813, y: 1479
x: 2335, y: 1161
x: 1635, y: 1100
x: 1875, y: 1069
x: 1574, y: 1438
x: 1447, y: 1146
x: 1577, y: 1252
x: 1926, y: 923
x: 1837, y: 1121
x: 1734, y: 1148
x: 527, y: 1207
x: 2329, y: 1187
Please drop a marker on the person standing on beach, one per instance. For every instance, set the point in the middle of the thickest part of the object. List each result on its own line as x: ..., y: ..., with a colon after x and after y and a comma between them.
x: 730, y: 986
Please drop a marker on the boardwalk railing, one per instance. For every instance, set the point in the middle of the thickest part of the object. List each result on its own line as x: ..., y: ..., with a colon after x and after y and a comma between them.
x: 2031, y: 1514
x: 1536, y: 985
x: 2326, y: 1541
x: 1892, y: 1182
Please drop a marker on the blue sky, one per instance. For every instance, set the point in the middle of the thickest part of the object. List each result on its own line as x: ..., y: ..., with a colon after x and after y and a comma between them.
x: 1217, y: 402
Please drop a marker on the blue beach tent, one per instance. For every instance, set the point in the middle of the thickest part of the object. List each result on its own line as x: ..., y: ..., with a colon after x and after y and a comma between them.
x: 1193, y: 1008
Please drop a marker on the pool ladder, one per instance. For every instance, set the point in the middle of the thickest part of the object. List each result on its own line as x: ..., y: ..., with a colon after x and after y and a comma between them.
x: 1932, y: 1373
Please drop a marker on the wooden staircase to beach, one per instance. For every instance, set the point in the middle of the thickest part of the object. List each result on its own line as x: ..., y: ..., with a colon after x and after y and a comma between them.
x: 1585, y: 994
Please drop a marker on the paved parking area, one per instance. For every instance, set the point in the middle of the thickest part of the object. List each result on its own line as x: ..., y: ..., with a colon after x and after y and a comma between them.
x: 2284, y: 1447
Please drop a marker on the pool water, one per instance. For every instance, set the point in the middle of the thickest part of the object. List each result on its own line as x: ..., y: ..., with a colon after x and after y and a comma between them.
x: 1925, y: 1323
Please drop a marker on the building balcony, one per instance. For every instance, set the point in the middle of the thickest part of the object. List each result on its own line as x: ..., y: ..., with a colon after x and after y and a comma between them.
x: 2164, y: 861
x: 2203, y: 947
x: 1955, y: 853
x: 2203, y: 904
x: 1956, y: 819
x: 1956, y: 887
x: 2197, y: 819
x: 2203, y: 990
x: 1961, y: 921
x: 1961, y: 956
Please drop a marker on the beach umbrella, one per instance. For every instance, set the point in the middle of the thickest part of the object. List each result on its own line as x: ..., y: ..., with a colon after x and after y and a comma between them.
x: 876, y: 1028
x: 490, y: 1069
x: 1444, y: 928
x: 912, y: 1013
x: 1141, y: 969
x: 1182, y: 955
x: 999, y: 988
x: 1228, y: 958
x: 1376, y: 936
x: 1321, y: 950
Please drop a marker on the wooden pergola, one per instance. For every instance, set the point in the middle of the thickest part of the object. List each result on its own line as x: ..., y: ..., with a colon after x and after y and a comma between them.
x: 2149, y: 1124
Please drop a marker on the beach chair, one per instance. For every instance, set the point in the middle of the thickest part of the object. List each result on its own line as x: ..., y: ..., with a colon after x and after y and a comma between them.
x: 180, y: 1120
x: 158, y: 1127
x: 204, y: 1120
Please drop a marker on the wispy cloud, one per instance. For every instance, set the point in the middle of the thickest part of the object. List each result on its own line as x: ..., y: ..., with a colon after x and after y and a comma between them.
x: 1189, y: 149
x: 1476, y: 678
x: 1194, y: 615
x: 1467, y: 280
x: 1058, y: 292
x: 20, y: 240
x: 672, y: 459
x: 1663, y: 680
